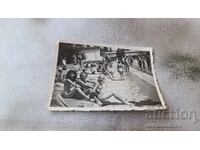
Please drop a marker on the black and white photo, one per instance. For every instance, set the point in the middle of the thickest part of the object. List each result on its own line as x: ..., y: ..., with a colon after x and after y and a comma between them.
x: 94, y: 77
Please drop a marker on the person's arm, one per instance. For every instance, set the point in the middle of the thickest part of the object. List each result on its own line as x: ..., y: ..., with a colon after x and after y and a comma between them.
x: 92, y: 82
x: 81, y: 83
x: 72, y: 83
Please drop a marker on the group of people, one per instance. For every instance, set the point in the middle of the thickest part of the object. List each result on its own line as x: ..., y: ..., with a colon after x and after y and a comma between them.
x: 78, y: 85
x: 122, y: 66
x: 83, y: 88
x: 142, y: 62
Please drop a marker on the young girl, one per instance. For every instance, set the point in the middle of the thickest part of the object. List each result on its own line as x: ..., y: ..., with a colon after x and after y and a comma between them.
x: 100, y: 96
x: 85, y: 84
x: 120, y: 68
x: 71, y: 89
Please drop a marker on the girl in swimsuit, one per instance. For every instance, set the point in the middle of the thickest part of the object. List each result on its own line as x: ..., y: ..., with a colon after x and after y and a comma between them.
x: 85, y: 84
x: 71, y: 89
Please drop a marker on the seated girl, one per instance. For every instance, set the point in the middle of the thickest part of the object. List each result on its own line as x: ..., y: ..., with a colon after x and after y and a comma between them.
x: 71, y: 88
x: 85, y: 84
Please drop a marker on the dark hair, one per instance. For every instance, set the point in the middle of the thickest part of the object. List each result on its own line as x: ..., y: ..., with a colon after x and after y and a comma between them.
x: 64, y: 67
x: 84, y: 70
x: 101, y: 77
x: 82, y: 73
x: 119, y: 61
x: 69, y: 72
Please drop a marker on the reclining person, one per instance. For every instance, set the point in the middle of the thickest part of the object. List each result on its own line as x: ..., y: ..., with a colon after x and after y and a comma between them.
x: 100, y: 96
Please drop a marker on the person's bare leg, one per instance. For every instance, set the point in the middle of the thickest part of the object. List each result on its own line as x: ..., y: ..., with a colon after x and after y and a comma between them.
x: 81, y: 93
x: 74, y: 92
x: 120, y: 99
x: 88, y: 92
x: 121, y: 75
x: 112, y: 77
x: 61, y: 101
x: 109, y: 75
x: 98, y: 101
x: 105, y: 97
x: 70, y: 94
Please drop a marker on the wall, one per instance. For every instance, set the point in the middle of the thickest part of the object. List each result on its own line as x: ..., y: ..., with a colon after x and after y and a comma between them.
x: 92, y: 54
x: 27, y: 61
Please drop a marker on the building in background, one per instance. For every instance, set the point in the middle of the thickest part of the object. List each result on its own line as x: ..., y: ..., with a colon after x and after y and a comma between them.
x: 91, y: 54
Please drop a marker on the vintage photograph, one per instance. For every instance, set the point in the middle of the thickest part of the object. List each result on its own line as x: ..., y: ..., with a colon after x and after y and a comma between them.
x: 105, y: 78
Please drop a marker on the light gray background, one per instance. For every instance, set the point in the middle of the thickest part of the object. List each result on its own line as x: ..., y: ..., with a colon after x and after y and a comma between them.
x: 27, y: 58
